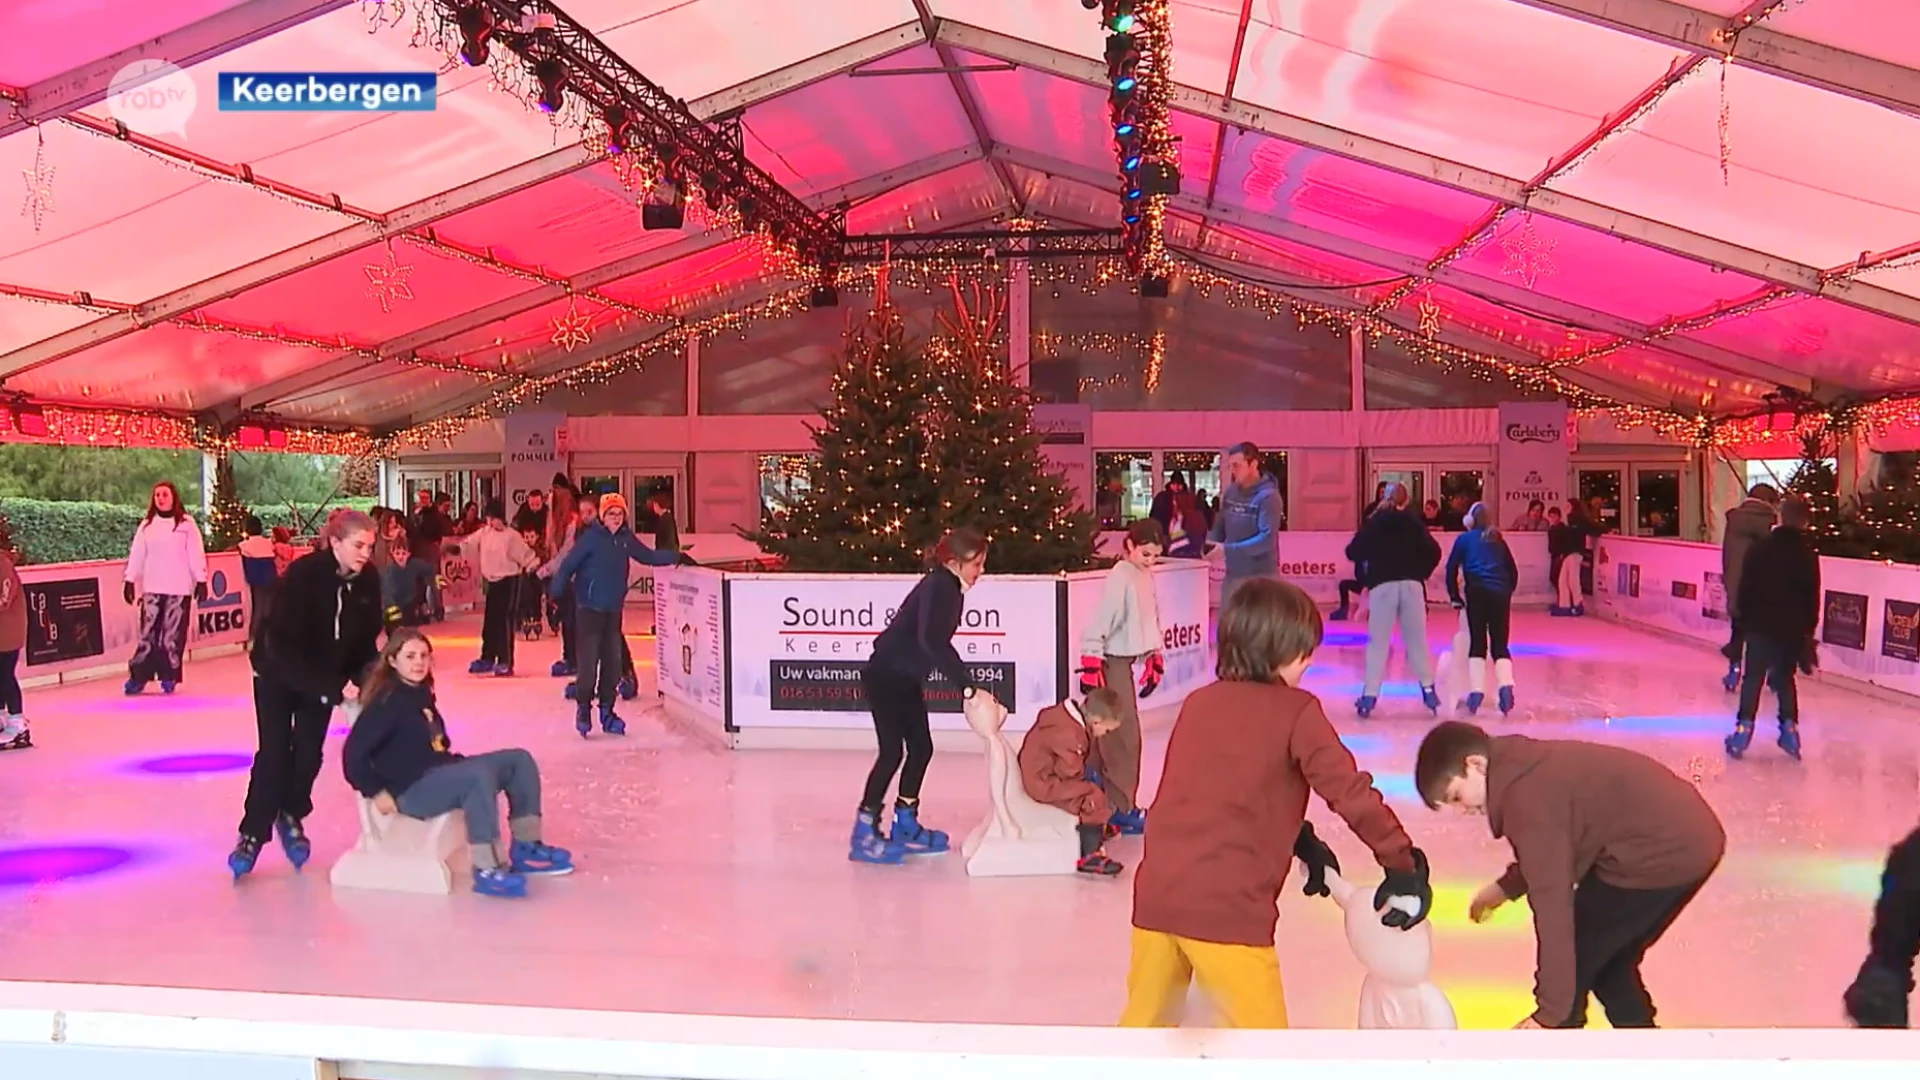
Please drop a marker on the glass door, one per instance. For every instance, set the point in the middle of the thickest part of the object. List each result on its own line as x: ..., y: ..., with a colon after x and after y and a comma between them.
x: 1413, y: 477
x: 1600, y: 488
x: 1656, y: 500
x: 1124, y: 483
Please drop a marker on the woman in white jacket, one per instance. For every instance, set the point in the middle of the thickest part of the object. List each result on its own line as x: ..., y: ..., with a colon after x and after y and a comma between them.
x: 167, y: 567
x: 1125, y: 628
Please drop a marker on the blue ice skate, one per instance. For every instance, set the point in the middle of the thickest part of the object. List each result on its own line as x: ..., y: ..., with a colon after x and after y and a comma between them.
x: 868, y: 846
x: 167, y: 685
x: 482, y: 666
x: 912, y: 837
x: 1473, y: 702
x: 1732, y: 680
x: 1790, y: 738
x: 1506, y: 700
x: 611, y: 723
x: 561, y: 670
x: 572, y: 691
x: 245, y: 854
x: 629, y: 687
x: 1129, y: 822
x: 583, y: 719
x: 1366, y: 705
x: 503, y: 670
x: 534, y: 859
x: 1431, y: 699
x: 494, y: 881
x: 1741, y: 738
x: 133, y: 686
x: 293, y: 840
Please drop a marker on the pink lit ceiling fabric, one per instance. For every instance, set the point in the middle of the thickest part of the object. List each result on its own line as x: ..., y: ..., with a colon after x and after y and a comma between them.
x: 1579, y: 184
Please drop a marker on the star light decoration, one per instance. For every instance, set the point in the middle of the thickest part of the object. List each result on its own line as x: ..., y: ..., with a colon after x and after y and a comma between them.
x: 387, y: 281
x: 572, y: 330
x: 39, y: 187
x: 1529, y: 255
x: 1429, y: 316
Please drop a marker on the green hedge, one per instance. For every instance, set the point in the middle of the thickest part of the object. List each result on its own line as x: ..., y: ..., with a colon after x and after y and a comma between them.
x: 50, y: 532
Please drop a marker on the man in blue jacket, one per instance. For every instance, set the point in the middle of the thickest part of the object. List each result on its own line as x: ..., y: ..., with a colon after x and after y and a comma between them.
x: 1250, y: 518
x: 597, y: 570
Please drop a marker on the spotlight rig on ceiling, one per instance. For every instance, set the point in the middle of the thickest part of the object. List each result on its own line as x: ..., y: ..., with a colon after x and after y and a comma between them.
x: 642, y: 119
x: 1139, y: 80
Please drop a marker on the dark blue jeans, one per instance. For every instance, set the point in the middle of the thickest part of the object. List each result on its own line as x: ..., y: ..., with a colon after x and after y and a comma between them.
x: 1775, y: 661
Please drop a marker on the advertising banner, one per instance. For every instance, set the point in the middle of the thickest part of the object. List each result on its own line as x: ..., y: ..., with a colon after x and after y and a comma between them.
x: 532, y: 454
x: 1317, y: 562
x: 76, y: 618
x: 1180, y: 588
x: 1066, y: 442
x: 1680, y: 592
x: 1531, y: 461
x: 689, y: 635
x: 798, y: 643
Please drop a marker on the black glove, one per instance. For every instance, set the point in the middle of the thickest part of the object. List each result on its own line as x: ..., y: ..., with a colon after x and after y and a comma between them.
x: 127, y: 591
x: 685, y: 559
x: 1410, y: 883
x: 200, y: 592
x: 1318, y: 858
x: 1877, y: 998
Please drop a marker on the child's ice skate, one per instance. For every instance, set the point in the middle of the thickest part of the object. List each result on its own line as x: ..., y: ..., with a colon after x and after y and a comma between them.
x: 1365, y: 705
x: 610, y: 723
x: 572, y: 692
x: 1129, y: 822
x: 1093, y: 859
x: 503, y: 670
x: 583, y: 719
x: 167, y: 685
x: 132, y: 687
x: 1731, y: 681
x: 561, y: 670
x: 482, y: 666
x: 912, y: 837
x: 1430, y: 697
x: 293, y: 840
x: 1789, y: 740
x: 494, y: 881
x: 1476, y: 684
x: 14, y: 734
x: 1741, y: 738
x: 629, y: 687
x: 1338, y: 614
x: 535, y: 859
x: 867, y: 845
x: 1503, y: 679
x: 243, y: 857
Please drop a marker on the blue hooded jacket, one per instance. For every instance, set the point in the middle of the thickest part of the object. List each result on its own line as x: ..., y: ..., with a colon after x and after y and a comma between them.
x: 597, y: 567
x: 1248, y: 527
x: 1485, y: 560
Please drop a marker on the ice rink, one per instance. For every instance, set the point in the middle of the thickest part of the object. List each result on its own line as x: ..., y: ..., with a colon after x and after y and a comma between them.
x: 717, y: 882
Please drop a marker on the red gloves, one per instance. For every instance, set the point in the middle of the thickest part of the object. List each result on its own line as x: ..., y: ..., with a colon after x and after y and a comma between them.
x: 1150, y: 676
x: 1093, y: 674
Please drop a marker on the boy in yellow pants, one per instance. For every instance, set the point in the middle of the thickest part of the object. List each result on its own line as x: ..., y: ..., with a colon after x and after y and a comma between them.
x: 1231, y: 811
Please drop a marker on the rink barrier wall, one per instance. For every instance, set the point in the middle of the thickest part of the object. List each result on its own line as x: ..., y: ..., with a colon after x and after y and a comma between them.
x: 773, y: 660
x: 87, y: 1032
x: 1869, y: 611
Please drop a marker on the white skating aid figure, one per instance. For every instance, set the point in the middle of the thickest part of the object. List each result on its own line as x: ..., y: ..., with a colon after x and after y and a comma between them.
x: 1450, y: 672
x: 1396, y: 993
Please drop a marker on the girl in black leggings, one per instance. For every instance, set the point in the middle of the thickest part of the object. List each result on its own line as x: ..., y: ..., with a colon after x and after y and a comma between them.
x: 916, y: 643
x: 1481, y: 555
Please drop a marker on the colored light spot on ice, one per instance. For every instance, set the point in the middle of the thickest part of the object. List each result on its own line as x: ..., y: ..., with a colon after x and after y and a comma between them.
x: 1676, y: 724
x: 1483, y: 1006
x: 1397, y: 787
x: 1852, y: 877
x: 36, y: 865
x: 194, y: 764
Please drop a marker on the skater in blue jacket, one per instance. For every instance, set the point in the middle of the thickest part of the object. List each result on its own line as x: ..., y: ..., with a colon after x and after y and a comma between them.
x: 1481, y: 556
x: 596, y: 568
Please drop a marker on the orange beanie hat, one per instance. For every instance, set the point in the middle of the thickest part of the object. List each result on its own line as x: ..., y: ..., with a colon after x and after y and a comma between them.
x: 614, y: 501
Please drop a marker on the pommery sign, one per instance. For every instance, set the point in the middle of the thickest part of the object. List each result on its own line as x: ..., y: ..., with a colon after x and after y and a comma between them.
x: 533, y: 453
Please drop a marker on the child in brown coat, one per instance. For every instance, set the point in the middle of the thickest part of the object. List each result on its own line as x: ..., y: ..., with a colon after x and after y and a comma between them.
x: 1053, y: 770
x: 1609, y: 847
x: 1231, y: 809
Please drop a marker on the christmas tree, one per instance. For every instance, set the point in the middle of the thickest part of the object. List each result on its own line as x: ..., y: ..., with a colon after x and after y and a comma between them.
x: 987, y: 457
x: 227, y: 525
x: 1888, y: 523
x: 919, y: 439
x: 871, y: 499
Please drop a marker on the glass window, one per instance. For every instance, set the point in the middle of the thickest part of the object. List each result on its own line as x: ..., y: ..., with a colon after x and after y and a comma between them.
x: 1656, y: 500
x: 1125, y: 482
x: 1602, y: 487
x: 1459, y: 490
x: 1200, y: 469
x: 1778, y: 471
x: 645, y: 487
x: 1414, y: 480
x: 783, y: 482
x: 599, y: 485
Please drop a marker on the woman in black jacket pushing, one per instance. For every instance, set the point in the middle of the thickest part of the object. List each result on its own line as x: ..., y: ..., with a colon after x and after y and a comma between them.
x: 916, y: 643
x: 322, y: 633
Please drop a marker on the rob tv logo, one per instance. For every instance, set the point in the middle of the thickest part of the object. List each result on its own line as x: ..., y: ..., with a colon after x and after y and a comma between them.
x: 152, y: 97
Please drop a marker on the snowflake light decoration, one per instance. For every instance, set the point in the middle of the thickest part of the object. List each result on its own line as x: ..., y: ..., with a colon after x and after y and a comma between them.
x: 1529, y: 255
x: 1429, y: 317
x: 39, y: 187
x: 572, y: 330
x: 387, y: 282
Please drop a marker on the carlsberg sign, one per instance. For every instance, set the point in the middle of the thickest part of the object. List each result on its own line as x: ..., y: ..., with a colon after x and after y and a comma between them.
x: 1532, y: 457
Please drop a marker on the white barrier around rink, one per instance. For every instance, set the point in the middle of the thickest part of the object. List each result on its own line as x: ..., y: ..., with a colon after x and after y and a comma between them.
x: 83, y: 1032
x: 1869, y: 611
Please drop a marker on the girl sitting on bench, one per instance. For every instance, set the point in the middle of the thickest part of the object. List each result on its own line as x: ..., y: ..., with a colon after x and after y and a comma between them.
x: 398, y: 755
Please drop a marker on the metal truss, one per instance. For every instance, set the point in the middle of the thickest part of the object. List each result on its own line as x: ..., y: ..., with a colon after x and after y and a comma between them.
x: 985, y: 245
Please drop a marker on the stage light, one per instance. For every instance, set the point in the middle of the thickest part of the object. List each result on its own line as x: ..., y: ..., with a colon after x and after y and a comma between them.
x: 1133, y: 194
x: 1130, y: 163
x: 551, y: 74
x: 476, y: 25
x: 28, y: 419
x: 1118, y: 46
x: 1121, y: 20
x: 620, y: 129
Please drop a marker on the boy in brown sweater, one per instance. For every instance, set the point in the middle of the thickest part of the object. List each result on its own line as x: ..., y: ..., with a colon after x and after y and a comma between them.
x: 1231, y: 815
x: 1053, y: 770
x: 1609, y: 847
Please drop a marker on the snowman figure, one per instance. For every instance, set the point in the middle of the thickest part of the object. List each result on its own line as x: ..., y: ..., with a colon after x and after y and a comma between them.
x: 1397, y: 992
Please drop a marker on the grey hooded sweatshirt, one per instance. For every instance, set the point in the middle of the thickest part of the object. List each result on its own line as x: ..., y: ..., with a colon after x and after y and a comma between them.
x: 1248, y: 527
